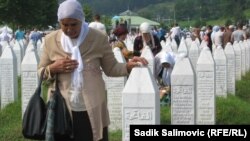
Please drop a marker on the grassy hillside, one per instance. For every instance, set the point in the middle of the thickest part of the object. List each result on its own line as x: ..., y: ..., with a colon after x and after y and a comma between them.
x: 232, y: 110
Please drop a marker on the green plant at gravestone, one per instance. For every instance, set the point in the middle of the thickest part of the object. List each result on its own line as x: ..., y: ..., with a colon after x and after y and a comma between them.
x: 230, y: 110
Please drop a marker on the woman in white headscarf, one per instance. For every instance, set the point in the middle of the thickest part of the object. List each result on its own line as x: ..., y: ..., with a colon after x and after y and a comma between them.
x: 77, y: 53
x: 164, y: 64
x: 147, y: 38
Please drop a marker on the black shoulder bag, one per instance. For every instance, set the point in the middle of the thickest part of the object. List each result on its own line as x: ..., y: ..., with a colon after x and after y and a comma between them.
x: 58, y: 120
x: 35, y: 115
x: 43, y: 121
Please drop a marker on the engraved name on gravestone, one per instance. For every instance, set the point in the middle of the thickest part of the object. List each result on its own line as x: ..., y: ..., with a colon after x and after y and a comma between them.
x: 247, y: 48
x: 243, y: 58
x: 18, y: 52
x: 29, y: 77
x: 140, y: 100
x: 229, y: 52
x: 205, y: 83
x: 237, y: 52
x: 183, y: 93
x: 221, y: 72
x: 9, y: 84
x: 114, y: 86
x: 193, y: 54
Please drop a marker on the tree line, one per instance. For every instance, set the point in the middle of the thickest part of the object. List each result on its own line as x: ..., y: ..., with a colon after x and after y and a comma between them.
x: 28, y: 13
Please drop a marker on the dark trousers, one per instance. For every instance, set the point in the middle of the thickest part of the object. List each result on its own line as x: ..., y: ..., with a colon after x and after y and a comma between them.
x: 82, y: 128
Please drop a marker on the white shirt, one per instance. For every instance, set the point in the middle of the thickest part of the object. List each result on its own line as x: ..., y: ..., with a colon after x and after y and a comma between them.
x: 175, y: 31
x: 218, y: 38
x: 99, y: 26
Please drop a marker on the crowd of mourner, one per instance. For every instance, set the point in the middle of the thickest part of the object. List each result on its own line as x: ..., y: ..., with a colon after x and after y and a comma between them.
x: 152, y: 37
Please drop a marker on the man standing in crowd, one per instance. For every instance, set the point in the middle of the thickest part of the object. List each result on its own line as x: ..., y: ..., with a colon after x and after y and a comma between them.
x: 97, y: 24
x: 175, y: 33
x: 228, y: 34
x: 239, y: 34
x: 19, y: 34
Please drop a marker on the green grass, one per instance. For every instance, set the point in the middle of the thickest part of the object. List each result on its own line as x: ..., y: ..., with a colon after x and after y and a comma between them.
x: 232, y: 110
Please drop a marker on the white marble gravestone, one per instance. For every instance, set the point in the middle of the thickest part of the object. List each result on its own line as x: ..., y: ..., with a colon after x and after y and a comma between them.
x: 39, y: 49
x: 4, y: 44
x: 205, y: 85
x: 193, y: 54
x: 197, y: 41
x: 29, y: 77
x: 188, y: 42
x: 21, y: 43
x: 148, y: 55
x: 114, y: 87
x: 18, y: 52
x: 30, y: 46
x: 183, y: 46
x: 167, y: 47
x: 1, y: 49
x: 129, y: 43
x: 221, y: 72
x: 183, y: 93
x: 229, y: 52
x: 202, y: 45
x: 237, y: 52
x: 9, y: 83
x: 24, y: 44
x: 140, y: 100
x: 247, y: 55
x: 39, y: 43
x: 243, y: 58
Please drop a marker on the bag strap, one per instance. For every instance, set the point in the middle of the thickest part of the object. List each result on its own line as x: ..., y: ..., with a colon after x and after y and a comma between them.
x: 40, y: 82
x: 57, y: 83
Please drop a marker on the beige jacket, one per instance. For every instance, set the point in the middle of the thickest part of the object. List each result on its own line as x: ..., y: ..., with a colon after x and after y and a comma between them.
x: 97, y: 56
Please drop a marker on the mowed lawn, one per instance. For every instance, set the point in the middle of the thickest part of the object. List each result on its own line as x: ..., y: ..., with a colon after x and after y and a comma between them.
x: 233, y: 110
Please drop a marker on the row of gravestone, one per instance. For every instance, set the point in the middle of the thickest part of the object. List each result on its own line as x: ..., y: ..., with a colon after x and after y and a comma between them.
x: 194, y: 88
x: 14, y: 58
x: 135, y: 100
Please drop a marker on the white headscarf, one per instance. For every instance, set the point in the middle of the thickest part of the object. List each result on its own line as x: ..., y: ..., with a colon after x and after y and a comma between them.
x: 73, y: 10
x: 146, y: 28
x: 168, y: 58
x: 70, y: 9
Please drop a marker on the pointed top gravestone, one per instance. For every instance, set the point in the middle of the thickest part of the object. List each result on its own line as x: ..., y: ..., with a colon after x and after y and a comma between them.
x: 205, y: 83
x: 8, y: 81
x: 114, y: 86
x: 183, y: 47
x: 229, y: 52
x: 237, y: 51
x: 29, y: 77
x: 193, y: 54
x: 221, y: 72
x: 148, y: 54
x: 183, y: 93
x: 140, y: 100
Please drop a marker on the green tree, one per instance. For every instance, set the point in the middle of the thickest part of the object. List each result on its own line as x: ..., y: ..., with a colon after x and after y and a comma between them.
x: 88, y: 13
x: 28, y: 13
